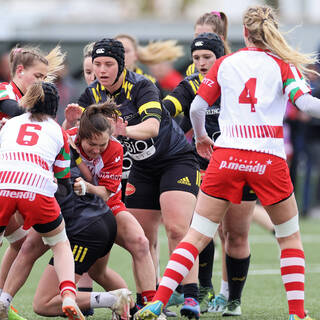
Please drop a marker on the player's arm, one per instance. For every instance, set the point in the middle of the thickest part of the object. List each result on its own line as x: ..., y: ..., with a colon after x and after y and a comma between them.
x: 11, y: 108
x: 309, y: 104
x: 81, y: 187
x: 61, y: 166
x: 197, y: 114
x: 179, y: 99
x: 150, y: 112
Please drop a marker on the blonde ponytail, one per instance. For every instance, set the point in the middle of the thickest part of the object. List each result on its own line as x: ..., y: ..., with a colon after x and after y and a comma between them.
x: 262, y: 26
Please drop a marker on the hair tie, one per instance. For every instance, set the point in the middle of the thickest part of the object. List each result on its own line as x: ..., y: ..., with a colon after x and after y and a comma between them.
x: 217, y: 13
x: 263, y: 20
x: 16, y: 51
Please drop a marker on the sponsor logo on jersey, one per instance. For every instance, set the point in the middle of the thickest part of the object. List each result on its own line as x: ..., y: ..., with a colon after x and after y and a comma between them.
x: 117, y: 159
x: 246, y: 166
x: 185, y: 181
x: 130, y: 189
x: 18, y: 194
x: 208, y: 82
x: 107, y: 175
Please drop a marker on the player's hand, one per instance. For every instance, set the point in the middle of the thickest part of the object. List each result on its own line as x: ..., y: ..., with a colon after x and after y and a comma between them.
x: 204, y: 147
x: 120, y: 127
x: 72, y: 114
x: 80, y: 186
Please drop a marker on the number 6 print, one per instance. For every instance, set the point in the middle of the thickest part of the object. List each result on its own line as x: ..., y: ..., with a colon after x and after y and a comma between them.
x: 27, y: 135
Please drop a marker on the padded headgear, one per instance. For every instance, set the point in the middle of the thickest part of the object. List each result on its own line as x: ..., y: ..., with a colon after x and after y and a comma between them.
x: 110, y: 48
x: 51, y: 100
x: 208, y: 41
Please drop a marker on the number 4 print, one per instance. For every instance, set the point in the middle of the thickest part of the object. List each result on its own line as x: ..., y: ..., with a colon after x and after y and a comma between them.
x: 26, y: 136
x: 248, y: 93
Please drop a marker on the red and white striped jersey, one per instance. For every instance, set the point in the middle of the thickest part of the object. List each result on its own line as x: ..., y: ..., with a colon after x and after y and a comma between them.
x: 255, y: 86
x: 106, y: 169
x: 9, y: 91
x: 31, y: 154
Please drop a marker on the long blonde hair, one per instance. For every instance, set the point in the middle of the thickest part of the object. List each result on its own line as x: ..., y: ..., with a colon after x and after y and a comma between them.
x: 28, y: 55
x: 155, y: 51
x: 34, y: 94
x: 263, y: 32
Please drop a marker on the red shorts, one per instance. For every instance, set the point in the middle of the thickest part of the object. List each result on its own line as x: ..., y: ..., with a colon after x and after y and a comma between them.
x: 230, y: 169
x: 115, y: 204
x: 34, y: 208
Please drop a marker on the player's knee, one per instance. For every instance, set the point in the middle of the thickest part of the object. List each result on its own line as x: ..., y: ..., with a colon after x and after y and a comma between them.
x: 236, y: 239
x: 176, y: 232
x: 39, y: 307
x: 140, y: 246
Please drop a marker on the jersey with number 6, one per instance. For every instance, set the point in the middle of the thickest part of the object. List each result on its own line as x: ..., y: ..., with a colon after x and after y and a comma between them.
x: 31, y: 154
x: 255, y: 86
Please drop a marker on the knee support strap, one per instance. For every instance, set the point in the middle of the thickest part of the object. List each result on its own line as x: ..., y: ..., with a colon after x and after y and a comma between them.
x: 204, y: 225
x: 53, y: 240
x: 287, y: 228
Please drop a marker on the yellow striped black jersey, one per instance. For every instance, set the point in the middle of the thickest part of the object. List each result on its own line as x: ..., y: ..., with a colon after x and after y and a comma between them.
x: 180, y: 99
x: 151, y: 78
x: 138, y: 99
x: 191, y: 69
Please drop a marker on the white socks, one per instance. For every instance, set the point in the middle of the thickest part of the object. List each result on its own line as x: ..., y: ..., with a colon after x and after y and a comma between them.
x: 102, y: 299
x: 6, y: 299
x: 224, y: 289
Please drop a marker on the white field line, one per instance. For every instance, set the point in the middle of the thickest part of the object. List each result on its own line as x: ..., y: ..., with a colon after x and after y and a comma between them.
x: 306, y: 238
x: 268, y: 239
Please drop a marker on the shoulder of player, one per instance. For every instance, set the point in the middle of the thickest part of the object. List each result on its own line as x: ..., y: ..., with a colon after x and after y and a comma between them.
x: 148, y: 76
x: 6, y: 91
x: 114, y: 147
x: 136, y: 79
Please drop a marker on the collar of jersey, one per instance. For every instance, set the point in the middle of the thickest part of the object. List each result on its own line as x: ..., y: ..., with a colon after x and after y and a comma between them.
x: 254, y: 49
x: 16, y: 89
x: 118, y: 90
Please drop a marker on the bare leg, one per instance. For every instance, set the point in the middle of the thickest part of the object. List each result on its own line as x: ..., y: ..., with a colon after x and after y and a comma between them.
x: 177, y: 217
x: 261, y: 217
x: 150, y: 221
x: 12, y: 251
x: 47, y: 300
x: 131, y: 237
x: 31, y: 250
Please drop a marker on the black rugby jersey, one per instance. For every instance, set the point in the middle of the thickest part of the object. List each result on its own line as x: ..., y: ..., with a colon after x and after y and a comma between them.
x: 191, y: 69
x: 180, y: 99
x: 151, y: 78
x: 138, y: 99
x: 79, y: 211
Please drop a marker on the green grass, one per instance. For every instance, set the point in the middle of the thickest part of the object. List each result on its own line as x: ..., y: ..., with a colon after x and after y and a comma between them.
x: 263, y: 296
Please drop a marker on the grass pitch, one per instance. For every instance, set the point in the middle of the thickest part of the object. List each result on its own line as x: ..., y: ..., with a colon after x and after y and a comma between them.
x: 263, y: 297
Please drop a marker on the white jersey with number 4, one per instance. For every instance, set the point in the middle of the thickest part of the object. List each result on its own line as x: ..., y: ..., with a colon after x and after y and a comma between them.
x: 255, y: 86
x: 30, y: 152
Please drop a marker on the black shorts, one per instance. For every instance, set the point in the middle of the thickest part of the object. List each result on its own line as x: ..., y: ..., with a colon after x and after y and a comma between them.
x: 93, y: 242
x: 145, y: 186
x: 248, y: 194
